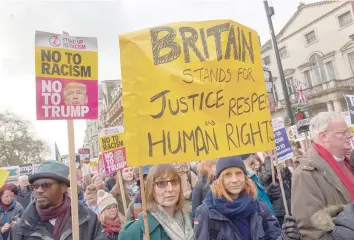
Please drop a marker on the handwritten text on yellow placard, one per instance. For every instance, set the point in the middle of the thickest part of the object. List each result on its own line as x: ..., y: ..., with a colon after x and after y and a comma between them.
x: 193, y: 91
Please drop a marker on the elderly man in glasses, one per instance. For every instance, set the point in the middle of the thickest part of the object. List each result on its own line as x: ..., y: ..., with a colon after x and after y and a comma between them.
x: 324, y: 176
x: 49, y: 216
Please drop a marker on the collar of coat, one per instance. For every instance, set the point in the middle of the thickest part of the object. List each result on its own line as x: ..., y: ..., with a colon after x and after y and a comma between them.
x: 322, y: 219
x: 31, y: 220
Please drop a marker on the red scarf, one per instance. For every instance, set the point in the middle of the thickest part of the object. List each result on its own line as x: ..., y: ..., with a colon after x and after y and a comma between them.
x: 112, y: 226
x: 61, y: 213
x: 328, y: 157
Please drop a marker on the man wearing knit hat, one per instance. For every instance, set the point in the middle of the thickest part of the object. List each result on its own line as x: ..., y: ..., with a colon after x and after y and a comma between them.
x: 49, y: 216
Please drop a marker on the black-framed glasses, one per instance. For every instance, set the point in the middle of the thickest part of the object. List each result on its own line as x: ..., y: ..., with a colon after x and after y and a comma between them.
x: 44, y: 185
x: 163, y: 184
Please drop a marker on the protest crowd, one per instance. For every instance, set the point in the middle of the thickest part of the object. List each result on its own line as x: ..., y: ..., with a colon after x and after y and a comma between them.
x: 232, y: 197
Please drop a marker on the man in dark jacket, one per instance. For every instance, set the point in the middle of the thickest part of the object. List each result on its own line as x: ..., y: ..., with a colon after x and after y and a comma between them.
x: 24, y: 193
x: 49, y: 216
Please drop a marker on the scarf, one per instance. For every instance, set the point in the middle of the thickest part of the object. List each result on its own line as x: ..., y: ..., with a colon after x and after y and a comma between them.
x: 239, y: 211
x: 61, y: 213
x: 178, y: 227
x: 132, y: 190
x: 112, y: 226
x: 327, y: 156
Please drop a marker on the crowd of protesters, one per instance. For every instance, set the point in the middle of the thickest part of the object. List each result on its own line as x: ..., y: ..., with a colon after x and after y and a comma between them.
x: 233, y: 197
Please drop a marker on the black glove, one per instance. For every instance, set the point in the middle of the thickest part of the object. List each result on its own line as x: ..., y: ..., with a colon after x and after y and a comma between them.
x: 274, y: 191
x: 290, y: 229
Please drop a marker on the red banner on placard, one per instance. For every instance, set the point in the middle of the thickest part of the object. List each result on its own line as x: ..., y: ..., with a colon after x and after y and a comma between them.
x: 114, y: 160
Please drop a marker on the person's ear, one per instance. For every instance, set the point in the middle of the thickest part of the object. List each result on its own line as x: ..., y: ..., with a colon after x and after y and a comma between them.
x: 63, y: 187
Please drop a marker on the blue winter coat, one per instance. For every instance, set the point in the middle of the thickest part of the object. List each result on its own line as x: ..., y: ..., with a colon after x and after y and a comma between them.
x: 228, y: 231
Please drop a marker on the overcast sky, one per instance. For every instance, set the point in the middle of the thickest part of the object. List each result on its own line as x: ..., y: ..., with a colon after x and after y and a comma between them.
x: 104, y: 20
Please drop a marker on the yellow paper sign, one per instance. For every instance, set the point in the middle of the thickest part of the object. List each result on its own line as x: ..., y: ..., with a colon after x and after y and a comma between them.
x: 3, y: 176
x: 111, y: 142
x: 193, y: 91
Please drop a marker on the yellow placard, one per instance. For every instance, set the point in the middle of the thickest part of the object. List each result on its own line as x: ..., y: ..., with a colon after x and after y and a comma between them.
x: 3, y: 176
x: 66, y: 63
x: 111, y: 142
x: 193, y: 91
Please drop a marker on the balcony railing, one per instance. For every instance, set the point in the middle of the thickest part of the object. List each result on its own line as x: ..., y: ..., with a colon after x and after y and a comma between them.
x: 322, y: 88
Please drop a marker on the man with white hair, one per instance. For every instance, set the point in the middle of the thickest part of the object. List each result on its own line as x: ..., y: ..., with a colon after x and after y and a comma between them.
x: 324, y: 176
x: 24, y: 192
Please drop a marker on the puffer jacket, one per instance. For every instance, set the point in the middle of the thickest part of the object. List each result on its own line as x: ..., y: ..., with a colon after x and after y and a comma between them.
x: 31, y: 228
x: 263, y: 224
x: 337, y: 221
x: 12, y: 214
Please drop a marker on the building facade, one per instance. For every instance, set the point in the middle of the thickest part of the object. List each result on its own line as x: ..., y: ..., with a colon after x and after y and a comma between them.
x: 112, y: 114
x: 317, y: 54
x: 106, y: 96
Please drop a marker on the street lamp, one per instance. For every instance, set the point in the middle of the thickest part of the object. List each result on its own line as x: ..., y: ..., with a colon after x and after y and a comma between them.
x: 270, y: 12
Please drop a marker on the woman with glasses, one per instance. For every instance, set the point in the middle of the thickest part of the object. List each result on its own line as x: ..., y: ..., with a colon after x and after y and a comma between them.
x: 164, y: 199
x: 10, y: 209
x: 109, y: 215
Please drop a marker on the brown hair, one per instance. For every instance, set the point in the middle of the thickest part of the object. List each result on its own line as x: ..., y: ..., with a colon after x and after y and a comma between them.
x: 204, y: 169
x: 218, y: 188
x: 163, y: 171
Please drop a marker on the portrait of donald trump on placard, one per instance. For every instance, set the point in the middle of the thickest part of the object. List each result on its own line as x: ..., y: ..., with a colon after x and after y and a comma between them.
x: 75, y: 94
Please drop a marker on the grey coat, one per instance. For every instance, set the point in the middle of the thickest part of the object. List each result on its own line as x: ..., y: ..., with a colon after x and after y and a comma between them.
x: 336, y: 221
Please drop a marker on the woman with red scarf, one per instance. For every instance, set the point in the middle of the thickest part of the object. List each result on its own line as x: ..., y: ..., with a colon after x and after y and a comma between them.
x: 10, y: 209
x: 109, y: 215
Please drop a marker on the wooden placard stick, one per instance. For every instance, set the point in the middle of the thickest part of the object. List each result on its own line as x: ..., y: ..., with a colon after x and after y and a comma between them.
x: 122, y: 191
x: 143, y: 204
x: 272, y: 157
x: 282, y: 187
x: 73, y: 182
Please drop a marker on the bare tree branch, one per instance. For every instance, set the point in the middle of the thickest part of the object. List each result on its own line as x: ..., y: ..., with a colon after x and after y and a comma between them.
x: 17, y: 144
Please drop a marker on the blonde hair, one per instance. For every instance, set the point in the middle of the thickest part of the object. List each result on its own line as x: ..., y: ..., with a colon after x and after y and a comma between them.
x: 163, y: 171
x: 75, y: 84
x: 103, y: 216
x: 219, y: 191
x: 204, y: 169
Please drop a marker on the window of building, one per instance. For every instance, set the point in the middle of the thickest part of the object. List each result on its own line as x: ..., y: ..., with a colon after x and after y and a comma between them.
x: 345, y: 19
x: 307, y: 76
x: 330, y: 70
x: 318, y: 68
x: 266, y: 60
x: 351, y: 60
x: 291, y: 85
x: 283, y: 52
x: 310, y: 37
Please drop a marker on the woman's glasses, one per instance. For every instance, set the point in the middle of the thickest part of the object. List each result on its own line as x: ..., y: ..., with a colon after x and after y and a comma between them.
x: 163, y: 184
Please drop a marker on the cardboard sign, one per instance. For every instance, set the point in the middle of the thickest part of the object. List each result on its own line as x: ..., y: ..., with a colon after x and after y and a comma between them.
x: 66, y: 77
x: 26, y: 169
x: 114, y: 160
x: 199, y: 93
x: 282, y: 143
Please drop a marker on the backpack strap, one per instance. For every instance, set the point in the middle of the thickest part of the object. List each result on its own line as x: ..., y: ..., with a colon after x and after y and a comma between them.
x: 214, y: 228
